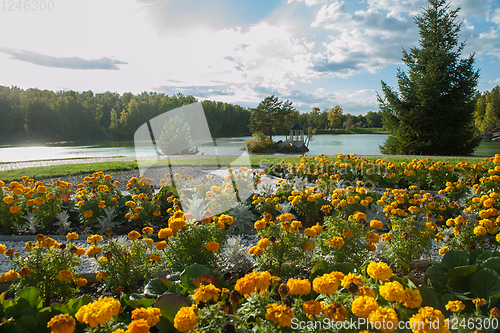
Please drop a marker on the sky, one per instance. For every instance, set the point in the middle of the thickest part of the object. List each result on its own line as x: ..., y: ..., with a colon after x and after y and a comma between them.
x: 315, y: 53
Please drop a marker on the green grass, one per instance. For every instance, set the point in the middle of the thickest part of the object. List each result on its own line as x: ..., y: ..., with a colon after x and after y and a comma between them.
x: 255, y: 161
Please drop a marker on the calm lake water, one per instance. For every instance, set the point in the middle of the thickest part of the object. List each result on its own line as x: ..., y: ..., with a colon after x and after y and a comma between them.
x: 329, y: 144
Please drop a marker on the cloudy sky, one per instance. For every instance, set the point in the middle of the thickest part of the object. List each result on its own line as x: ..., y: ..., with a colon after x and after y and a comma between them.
x: 316, y: 53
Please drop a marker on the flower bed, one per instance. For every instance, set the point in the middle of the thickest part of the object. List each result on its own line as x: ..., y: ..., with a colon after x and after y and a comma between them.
x: 334, y: 251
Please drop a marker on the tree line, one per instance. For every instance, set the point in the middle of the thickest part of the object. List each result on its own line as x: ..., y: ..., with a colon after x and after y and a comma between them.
x: 45, y: 115
x: 487, y: 113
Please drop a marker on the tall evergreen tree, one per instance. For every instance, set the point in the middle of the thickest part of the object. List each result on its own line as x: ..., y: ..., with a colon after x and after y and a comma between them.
x: 433, y: 113
x: 271, y: 115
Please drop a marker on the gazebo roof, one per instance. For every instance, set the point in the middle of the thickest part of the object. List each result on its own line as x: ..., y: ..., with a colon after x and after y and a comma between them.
x: 297, y: 127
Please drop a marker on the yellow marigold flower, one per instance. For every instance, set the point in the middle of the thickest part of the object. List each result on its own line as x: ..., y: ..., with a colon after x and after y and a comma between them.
x: 280, y: 314
x: 205, y: 293
x: 479, y: 301
x: 308, y: 246
x: 372, y: 237
x: 98, y: 312
x: 25, y: 271
x: 80, y: 251
x: 186, y: 319
x: 455, y: 306
x: 88, y: 214
x: 362, y: 306
x: 298, y: 286
x: 256, y: 251
x: 9, y: 276
x: 72, y: 236
x: 81, y: 282
x: 101, y: 276
x: 8, y: 199
x: 376, y: 224
x: 347, y: 233
x: 443, y: 250
x: 39, y: 201
x: 480, y: 230
x: 253, y: 282
x: 93, y: 251
x: 165, y: 232
x: 428, y: 320
x: 336, y: 242
x: 147, y: 230
x: 212, y: 246
x: 310, y: 232
x: 366, y: 291
x: 226, y: 219
x: 176, y: 224
x: 392, y: 291
x: 335, y: 312
x: 14, y: 209
x: 41, y: 189
x: 379, y: 270
x: 352, y: 278
x: 154, y: 257
x: 412, y: 299
x: 326, y: 284
x: 260, y: 224
x: 151, y: 315
x: 312, y: 307
x: 385, y: 318
x: 62, y: 323
x: 161, y: 245
x: 263, y: 243
x: 64, y: 275
x: 134, y: 235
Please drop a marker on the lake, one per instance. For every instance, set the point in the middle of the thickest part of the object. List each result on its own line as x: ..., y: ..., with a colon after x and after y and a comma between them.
x: 329, y: 144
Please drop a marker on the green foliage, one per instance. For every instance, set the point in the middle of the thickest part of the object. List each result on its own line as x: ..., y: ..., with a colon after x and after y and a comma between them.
x: 433, y: 112
x: 466, y: 277
x: 175, y: 138
x: 487, y: 114
x: 272, y: 115
x: 40, y: 267
x: 410, y: 240
x: 127, y: 262
x: 188, y: 246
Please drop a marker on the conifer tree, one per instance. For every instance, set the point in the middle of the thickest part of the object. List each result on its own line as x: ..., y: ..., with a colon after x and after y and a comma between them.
x: 433, y: 113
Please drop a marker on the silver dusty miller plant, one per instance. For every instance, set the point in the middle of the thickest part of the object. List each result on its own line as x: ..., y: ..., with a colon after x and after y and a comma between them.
x: 31, y: 226
x: 243, y: 219
x: 196, y: 207
x: 63, y: 223
x: 106, y: 222
x: 235, y: 258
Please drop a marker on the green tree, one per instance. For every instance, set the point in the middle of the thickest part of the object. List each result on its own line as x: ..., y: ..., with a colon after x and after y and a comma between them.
x: 270, y: 116
x: 175, y: 138
x: 374, y: 119
x: 348, y: 123
x: 433, y: 112
x: 335, y: 116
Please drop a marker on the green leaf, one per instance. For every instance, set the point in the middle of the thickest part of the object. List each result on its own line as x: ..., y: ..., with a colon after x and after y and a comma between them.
x: 169, y: 304
x: 75, y: 304
x: 492, y: 302
x: 21, y: 307
x: 437, y: 276
x: 11, y: 327
x: 32, y: 295
x: 485, y: 283
x: 156, y: 287
x: 319, y: 268
x: 459, y: 277
x: 62, y: 308
x: 473, y: 257
x: 163, y: 279
x: 164, y: 326
x: 141, y: 303
x: 454, y: 259
x: 344, y: 267
x: 194, y: 271
x: 429, y: 297
x: 28, y: 323
x: 486, y: 255
x: 492, y: 263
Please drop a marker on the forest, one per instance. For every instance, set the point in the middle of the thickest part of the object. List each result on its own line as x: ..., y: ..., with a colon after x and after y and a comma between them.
x: 44, y: 115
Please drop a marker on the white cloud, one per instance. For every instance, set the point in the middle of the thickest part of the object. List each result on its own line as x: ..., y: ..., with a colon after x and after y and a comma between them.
x: 330, y: 16
x: 309, y: 3
x: 495, y: 16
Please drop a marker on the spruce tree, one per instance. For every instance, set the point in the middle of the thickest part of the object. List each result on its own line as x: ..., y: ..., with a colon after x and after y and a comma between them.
x: 433, y: 113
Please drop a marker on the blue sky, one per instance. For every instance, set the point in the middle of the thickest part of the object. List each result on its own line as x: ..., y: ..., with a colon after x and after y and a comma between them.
x: 316, y: 53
